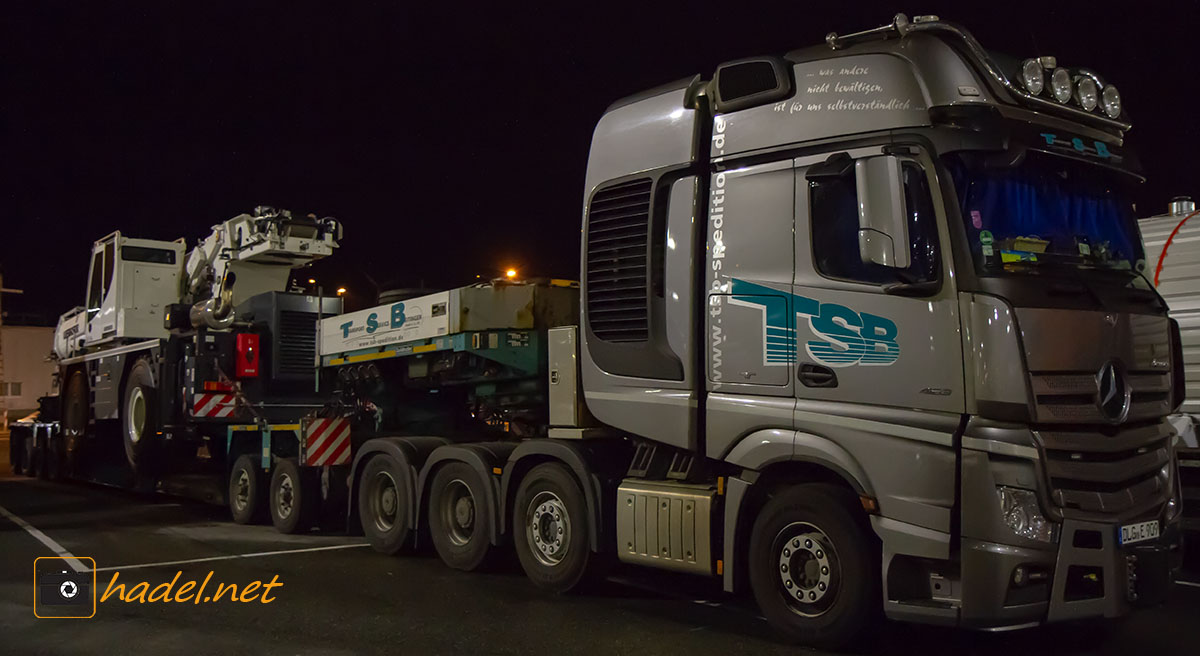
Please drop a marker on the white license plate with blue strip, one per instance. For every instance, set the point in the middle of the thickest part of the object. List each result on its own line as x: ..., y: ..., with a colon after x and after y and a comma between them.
x: 1139, y: 532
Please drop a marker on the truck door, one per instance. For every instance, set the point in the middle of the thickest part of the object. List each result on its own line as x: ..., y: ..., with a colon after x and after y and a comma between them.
x: 749, y: 263
x: 878, y: 372
x: 101, y: 314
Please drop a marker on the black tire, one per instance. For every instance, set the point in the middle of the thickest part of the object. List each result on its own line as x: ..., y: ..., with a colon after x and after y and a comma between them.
x: 822, y: 537
x: 384, y: 506
x: 460, y: 517
x: 75, y: 418
x: 52, y: 457
x: 139, y: 414
x: 33, y: 457
x: 16, y: 451
x: 550, y: 529
x: 294, y: 499
x: 247, y: 492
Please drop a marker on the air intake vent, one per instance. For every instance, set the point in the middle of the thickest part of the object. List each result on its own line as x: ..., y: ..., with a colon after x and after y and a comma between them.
x: 297, y: 343
x: 617, y: 246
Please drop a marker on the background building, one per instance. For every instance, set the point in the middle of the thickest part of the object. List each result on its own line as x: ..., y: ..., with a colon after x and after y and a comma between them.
x: 27, y: 374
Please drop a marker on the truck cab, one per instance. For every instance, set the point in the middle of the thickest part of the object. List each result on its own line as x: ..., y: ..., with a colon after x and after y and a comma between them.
x: 906, y: 267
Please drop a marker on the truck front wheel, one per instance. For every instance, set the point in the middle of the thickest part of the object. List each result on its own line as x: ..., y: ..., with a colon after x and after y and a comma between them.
x: 813, y: 566
x: 550, y: 529
x: 138, y: 413
x: 460, y: 520
x: 383, y: 504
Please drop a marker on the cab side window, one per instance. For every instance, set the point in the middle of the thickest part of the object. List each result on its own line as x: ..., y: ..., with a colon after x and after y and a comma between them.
x: 833, y: 205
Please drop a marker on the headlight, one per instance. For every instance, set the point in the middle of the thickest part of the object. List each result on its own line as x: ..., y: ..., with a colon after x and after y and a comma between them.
x: 1032, y: 76
x: 1060, y: 85
x: 1112, y: 101
x: 1086, y: 93
x: 1022, y: 514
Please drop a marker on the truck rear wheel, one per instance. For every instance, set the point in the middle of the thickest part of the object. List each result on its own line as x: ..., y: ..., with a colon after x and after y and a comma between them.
x: 293, y: 497
x: 247, y: 490
x: 460, y: 519
x: 383, y: 504
x: 813, y: 566
x: 550, y: 529
x: 138, y: 413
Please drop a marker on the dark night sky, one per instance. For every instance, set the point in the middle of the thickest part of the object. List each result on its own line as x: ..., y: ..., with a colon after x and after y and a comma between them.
x: 450, y: 140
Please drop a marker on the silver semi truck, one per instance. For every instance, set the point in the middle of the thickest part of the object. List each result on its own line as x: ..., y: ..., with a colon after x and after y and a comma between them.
x: 864, y: 329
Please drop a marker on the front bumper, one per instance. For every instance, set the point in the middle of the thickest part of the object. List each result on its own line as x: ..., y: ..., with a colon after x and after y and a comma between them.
x: 1089, y: 575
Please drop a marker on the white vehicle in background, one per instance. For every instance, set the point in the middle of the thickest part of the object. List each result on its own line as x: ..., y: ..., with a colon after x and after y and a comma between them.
x: 1172, y: 243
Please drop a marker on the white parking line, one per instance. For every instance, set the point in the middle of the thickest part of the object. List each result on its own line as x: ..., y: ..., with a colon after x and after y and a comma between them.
x: 45, y: 539
x: 1191, y: 584
x: 231, y: 557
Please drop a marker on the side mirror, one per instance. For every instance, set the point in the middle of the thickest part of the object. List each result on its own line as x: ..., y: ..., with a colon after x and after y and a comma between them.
x: 882, y: 216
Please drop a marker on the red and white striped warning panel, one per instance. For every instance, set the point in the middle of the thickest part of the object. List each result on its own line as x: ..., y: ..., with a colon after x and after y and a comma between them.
x: 327, y: 442
x: 212, y: 404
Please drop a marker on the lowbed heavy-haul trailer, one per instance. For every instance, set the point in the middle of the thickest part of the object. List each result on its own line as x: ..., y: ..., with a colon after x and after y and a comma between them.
x: 175, y: 344
x: 864, y: 329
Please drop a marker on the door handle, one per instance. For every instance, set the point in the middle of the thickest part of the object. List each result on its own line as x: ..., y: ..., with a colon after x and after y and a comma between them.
x: 814, y: 375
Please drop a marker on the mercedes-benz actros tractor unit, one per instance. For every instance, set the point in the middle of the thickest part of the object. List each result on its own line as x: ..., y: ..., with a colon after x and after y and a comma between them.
x: 864, y: 329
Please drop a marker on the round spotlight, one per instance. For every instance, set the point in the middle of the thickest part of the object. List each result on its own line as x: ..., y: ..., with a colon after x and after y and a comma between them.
x: 1112, y: 101
x: 1087, y: 94
x: 1032, y: 76
x: 1060, y: 85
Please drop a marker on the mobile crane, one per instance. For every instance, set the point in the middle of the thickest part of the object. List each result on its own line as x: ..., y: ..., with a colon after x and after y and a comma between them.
x: 173, y: 344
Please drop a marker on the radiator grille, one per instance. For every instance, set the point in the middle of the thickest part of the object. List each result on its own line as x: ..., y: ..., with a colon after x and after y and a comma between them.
x: 1095, y: 473
x: 296, y: 343
x: 617, y: 246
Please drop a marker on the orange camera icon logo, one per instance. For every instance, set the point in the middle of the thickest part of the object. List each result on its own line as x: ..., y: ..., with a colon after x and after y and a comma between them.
x: 64, y: 588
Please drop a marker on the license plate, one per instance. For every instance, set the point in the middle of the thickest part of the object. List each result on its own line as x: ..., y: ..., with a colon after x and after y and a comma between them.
x: 1139, y: 532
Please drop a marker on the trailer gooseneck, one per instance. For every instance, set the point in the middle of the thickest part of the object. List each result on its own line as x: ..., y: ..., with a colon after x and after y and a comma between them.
x: 862, y: 329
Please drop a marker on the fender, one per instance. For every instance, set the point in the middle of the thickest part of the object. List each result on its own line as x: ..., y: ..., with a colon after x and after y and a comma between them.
x: 763, y: 448
x: 579, y: 458
x: 483, y: 458
x: 410, y: 451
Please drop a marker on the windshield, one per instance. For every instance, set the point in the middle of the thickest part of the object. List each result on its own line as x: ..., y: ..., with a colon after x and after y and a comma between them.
x: 1045, y: 213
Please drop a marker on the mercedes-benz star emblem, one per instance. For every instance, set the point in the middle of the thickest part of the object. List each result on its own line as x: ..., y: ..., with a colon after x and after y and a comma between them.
x: 1113, y: 393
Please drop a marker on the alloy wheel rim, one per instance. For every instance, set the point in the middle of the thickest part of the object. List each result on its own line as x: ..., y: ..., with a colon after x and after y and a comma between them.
x: 548, y: 528
x: 809, y: 571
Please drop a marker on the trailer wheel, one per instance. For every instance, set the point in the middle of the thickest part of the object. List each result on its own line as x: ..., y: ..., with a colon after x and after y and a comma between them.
x: 75, y: 417
x: 33, y: 456
x: 383, y: 505
x: 293, y: 497
x: 16, y: 451
x: 460, y: 519
x: 813, y: 566
x: 52, y: 457
x: 138, y: 412
x: 550, y: 529
x: 246, y: 490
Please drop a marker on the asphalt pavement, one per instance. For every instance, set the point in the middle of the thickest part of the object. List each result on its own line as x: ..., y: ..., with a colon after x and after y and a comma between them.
x: 339, y: 597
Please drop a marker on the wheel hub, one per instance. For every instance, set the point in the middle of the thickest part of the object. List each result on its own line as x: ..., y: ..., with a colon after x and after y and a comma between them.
x: 458, y: 512
x: 136, y: 413
x: 809, y: 574
x: 548, y: 528
x: 285, y: 496
x: 385, y: 503
x: 241, y: 496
